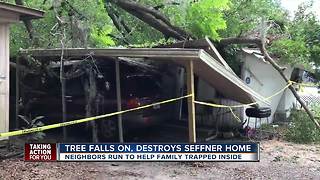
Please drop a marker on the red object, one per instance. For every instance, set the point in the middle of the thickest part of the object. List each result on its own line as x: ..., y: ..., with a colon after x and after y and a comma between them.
x: 133, y: 103
x: 40, y: 152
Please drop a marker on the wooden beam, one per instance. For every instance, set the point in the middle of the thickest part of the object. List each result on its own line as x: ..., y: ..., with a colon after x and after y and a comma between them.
x: 161, y: 53
x: 191, y: 106
x: 4, y: 78
x: 90, y: 91
x: 63, y: 98
x: 180, y: 89
x: 92, y: 109
x: 17, y: 92
x: 118, y: 87
x: 23, y: 12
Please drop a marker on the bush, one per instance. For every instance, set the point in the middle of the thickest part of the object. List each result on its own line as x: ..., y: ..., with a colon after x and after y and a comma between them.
x: 302, y: 129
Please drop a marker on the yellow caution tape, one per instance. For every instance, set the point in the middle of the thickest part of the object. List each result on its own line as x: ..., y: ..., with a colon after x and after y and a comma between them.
x: 52, y: 126
x: 243, y: 105
x: 234, y: 115
x: 304, y: 84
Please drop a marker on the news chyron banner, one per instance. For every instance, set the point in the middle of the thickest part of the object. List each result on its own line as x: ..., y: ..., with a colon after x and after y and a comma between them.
x: 142, y: 152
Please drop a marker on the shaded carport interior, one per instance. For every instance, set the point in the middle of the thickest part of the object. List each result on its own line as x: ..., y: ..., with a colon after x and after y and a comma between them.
x: 196, y: 61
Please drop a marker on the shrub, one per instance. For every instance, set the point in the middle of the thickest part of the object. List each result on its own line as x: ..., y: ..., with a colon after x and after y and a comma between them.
x: 302, y: 129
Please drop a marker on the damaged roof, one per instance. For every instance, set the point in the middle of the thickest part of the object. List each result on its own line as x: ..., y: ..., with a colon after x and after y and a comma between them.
x: 257, y: 53
x: 205, y: 66
x: 205, y: 44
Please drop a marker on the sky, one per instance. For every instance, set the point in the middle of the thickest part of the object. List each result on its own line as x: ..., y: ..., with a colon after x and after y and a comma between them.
x: 292, y: 5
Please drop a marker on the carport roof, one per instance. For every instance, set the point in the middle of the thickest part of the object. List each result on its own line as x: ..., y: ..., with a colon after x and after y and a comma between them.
x: 205, y: 66
x: 23, y: 12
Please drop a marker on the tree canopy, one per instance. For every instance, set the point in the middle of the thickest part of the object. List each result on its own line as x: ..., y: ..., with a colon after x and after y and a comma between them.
x: 301, y: 41
x: 105, y: 23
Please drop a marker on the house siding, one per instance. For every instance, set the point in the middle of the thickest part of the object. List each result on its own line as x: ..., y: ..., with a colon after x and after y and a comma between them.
x: 265, y: 80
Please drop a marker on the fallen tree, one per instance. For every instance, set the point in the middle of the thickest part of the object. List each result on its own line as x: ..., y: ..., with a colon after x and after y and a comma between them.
x: 153, y: 18
x: 261, y: 44
x: 158, y: 21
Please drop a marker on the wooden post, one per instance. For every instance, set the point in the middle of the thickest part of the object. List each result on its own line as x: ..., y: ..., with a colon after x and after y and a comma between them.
x: 63, y: 98
x: 4, y: 78
x: 191, y: 107
x: 92, y: 99
x: 120, y: 128
x: 17, y: 91
x: 180, y: 89
x: 90, y: 89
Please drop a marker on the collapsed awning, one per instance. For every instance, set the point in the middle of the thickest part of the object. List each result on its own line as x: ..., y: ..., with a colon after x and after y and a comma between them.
x: 205, y: 66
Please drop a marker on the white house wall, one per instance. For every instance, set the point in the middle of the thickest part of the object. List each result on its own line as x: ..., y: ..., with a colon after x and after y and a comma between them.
x: 286, y: 104
x: 4, y: 78
x: 265, y: 80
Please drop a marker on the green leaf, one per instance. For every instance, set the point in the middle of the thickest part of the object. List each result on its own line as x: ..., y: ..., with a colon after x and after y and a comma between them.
x: 101, y: 36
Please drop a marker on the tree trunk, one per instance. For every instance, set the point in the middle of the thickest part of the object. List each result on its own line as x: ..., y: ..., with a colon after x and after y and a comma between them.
x: 158, y: 21
x: 294, y: 92
x: 27, y: 23
x: 153, y: 18
x: 119, y: 24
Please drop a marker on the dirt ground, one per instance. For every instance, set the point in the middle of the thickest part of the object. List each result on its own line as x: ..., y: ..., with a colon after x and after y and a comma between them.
x: 279, y: 160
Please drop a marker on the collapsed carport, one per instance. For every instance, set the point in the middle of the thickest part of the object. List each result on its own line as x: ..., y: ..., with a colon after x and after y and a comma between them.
x: 196, y: 61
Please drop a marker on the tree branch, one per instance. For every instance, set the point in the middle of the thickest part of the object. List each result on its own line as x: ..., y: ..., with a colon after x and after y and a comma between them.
x: 153, y: 18
x: 27, y: 22
x: 120, y: 25
x: 239, y: 40
x: 261, y: 45
x: 294, y: 92
x: 251, y: 41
